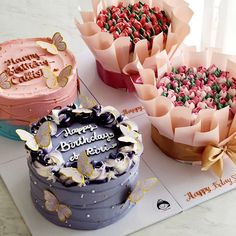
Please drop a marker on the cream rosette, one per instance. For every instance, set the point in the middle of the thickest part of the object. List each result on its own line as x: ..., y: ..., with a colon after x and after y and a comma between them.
x: 115, y: 61
x: 206, y: 137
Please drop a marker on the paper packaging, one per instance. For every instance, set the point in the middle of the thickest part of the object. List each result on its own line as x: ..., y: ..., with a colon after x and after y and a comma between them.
x: 211, y: 127
x: 115, y: 55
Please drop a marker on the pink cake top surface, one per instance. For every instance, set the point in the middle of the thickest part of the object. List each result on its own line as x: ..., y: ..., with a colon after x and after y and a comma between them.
x: 24, y: 94
x: 23, y: 60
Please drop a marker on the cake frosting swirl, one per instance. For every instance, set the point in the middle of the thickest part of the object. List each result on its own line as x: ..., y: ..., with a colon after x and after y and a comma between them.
x: 86, y: 160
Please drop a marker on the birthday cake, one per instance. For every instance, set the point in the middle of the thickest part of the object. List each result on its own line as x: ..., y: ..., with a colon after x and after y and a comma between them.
x: 83, y: 166
x: 36, y: 75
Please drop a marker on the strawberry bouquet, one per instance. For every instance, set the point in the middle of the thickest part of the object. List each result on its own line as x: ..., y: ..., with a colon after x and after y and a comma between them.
x: 124, y: 34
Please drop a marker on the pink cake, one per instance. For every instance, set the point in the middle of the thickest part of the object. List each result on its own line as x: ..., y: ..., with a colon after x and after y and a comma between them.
x: 29, y: 78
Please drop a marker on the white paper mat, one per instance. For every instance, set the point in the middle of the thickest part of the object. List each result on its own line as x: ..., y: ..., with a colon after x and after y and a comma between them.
x: 145, y: 213
x: 187, y: 183
x: 125, y: 102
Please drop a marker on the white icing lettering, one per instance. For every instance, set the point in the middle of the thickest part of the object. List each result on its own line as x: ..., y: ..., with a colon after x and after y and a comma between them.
x: 82, y: 130
x: 64, y: 146
x: 96, y: 150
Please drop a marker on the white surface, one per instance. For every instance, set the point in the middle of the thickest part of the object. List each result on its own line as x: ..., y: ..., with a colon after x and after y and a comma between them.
x: 105, y: 94
x: 15, y: 176
x: 10, y: 150
x: 183, y: 180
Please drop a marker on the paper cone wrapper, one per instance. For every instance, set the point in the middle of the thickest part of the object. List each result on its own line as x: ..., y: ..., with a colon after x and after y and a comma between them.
x: 178, y: 124
x: 115, y: 63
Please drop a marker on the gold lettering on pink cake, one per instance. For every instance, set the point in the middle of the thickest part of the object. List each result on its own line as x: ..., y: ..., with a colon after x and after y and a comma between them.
x: 25, y: 68
x: 27, y: 77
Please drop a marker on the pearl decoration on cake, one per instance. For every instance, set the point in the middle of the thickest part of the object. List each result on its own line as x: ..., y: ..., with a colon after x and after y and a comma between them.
x: 35, y: 182
x: 88, y: 216
x: 93, y: 191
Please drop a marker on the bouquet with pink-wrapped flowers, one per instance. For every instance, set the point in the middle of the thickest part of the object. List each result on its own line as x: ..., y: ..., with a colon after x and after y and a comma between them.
x: 124, y: 34
x: 192, y: 105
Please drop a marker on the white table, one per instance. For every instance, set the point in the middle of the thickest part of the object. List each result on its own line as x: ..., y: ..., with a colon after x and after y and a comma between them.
x: 30, y: 18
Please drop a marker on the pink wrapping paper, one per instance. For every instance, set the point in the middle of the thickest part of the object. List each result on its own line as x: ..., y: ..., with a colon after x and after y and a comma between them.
x: 210, y: 126
x: 114, y: 55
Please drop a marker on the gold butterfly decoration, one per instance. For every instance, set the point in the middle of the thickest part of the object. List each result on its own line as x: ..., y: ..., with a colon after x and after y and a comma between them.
x: 57, y: 44
x: 42, y: 139
x: 52, y: 204
x: 83, y: 165
x: 52, y: 80
x: 4, y: 81
x: 86, y: 102
x: 84, y: 168
x: 141, y: 188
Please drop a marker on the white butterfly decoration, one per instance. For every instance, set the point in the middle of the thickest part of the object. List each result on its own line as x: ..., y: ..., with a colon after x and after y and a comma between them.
x: 52, y: 204
x: 53, y: 81
x: 4, y: 81
x: 129, y: 135
x: 141, y: 188
x: 74, y: 174
x: 120, y: 165
x: 57, y: 44
x: 86, y: 102
x: 84, y: 168
x: 42, y: 139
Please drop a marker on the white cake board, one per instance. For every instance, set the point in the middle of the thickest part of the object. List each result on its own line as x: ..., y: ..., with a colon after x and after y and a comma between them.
x: 125, y: 102
x: 145, y: 213
x: 184, y: 180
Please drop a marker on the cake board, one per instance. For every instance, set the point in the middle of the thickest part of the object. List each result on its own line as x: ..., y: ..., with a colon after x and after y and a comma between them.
x: 187, y: 183
x: 145, y: 213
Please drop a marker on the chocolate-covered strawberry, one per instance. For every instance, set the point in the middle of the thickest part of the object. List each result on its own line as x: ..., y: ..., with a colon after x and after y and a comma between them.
x: 138, y: 21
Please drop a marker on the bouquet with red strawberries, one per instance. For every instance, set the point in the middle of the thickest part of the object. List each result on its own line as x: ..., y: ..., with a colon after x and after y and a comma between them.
x: 124, y: 34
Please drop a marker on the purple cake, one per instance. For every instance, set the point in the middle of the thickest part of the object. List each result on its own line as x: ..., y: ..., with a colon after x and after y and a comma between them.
x: 83, y: 165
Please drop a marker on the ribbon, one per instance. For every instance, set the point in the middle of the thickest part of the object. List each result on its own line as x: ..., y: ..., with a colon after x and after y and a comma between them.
x: 177, y: 151
x: 117, y: 80
x: 212, y: 156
